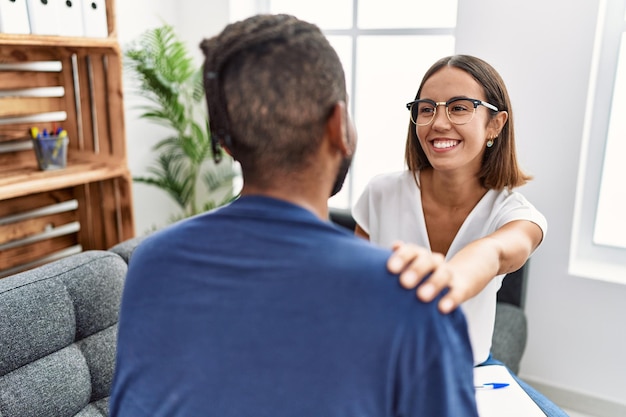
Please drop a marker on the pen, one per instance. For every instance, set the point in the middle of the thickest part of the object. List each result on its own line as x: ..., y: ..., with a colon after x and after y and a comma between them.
x: 492, y: 385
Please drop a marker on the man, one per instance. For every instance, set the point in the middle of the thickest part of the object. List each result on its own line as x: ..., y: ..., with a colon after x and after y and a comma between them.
x: 263, y: 307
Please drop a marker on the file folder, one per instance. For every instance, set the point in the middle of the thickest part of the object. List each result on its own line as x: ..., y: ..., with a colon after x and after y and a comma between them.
x: 70, y: 16
x: 43, y: 16
x: 95, y: 19
x: 14, y: 17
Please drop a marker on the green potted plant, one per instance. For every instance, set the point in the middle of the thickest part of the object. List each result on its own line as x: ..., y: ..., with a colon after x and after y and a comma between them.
x: 167, y: 77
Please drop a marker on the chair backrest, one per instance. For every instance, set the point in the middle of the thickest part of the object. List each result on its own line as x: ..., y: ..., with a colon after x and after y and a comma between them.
x: 58, y: 333
x: 513, y: 290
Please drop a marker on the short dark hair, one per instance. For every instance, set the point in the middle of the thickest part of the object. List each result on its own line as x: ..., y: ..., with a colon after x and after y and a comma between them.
x: 271, y: 83
x: 499, y: 167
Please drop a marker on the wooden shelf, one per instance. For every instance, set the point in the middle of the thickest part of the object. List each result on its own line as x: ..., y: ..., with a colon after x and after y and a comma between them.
x: 10, y: 40
x: 74, y: 83
x: 23, y: 181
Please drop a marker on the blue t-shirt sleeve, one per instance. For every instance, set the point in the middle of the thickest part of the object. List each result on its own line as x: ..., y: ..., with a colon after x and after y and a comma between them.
x: 435, y: 375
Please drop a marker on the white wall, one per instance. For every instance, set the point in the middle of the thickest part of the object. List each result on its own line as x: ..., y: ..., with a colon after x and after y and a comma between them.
x: 577, y: 326
x: 193, y: 20
x: 542, y: 49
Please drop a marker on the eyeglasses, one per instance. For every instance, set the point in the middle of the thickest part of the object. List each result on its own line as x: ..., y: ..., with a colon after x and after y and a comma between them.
x: 459, y: 110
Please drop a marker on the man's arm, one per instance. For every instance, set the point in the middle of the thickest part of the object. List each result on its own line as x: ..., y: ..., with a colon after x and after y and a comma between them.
x: 435, y: 367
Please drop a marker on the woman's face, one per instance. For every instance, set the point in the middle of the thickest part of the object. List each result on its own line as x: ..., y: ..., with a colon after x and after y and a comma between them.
x: 449, y: 146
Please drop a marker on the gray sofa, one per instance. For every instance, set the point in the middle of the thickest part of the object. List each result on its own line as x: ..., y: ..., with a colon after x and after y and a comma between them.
x: 58, y: 330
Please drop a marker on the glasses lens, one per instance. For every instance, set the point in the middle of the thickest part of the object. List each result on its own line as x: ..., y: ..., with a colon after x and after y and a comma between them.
x: 461, y: 111
x: 422, y: 113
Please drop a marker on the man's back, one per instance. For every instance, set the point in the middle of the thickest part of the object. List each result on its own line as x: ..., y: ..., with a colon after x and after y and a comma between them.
x: 262, y: 309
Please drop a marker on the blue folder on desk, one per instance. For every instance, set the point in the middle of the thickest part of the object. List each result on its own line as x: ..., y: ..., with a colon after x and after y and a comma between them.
x: 14, y: 17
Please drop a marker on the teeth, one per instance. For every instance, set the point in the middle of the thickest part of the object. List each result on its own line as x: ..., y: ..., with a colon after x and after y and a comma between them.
x: 443, y: 144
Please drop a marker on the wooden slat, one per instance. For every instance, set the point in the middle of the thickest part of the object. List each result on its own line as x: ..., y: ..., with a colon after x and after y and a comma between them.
x: 20, y: 106
x: 70, y: 125
x: 20, y: 255
x: 86, y: 217
x: 116, y: 103
x: 25, y: 159
x: 12, y: 53
x: 23, y: 229
x: 125, y: 219
x: 28, y: 79
x: 108, y: 213
x: 85, y: 104
x: 34, y: 201
x: 99, y: 94
x: 43, y: 42
x: 101, y: 220
x: 111, y: 18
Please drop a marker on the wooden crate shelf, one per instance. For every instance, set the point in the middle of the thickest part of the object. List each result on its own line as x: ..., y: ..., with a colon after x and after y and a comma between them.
x: 27, y: 180
x: 74, y: 83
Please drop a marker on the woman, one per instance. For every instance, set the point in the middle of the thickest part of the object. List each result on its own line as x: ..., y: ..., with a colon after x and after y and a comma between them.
x: 455, y: 204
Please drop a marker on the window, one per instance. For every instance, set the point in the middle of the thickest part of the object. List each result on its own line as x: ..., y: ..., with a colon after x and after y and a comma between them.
x: 385, y: 47
x: 599, y: 235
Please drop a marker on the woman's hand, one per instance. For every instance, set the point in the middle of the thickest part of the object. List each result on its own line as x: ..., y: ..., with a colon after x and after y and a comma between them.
x: 415, y: 264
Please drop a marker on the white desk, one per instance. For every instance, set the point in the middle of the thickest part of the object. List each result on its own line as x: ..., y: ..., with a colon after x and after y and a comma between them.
x: 511, y: 401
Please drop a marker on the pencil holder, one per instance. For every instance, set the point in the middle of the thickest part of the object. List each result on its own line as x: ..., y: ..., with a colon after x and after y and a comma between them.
x: 51, y: 152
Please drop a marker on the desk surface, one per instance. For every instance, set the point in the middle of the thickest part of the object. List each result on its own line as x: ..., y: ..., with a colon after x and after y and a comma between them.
x: 511, y: 401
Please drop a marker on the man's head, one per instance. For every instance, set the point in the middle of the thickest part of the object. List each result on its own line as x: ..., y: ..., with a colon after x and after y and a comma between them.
x: 273, y: 82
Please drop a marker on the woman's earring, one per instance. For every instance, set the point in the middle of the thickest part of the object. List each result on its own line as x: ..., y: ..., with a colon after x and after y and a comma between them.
x: 490, y: 143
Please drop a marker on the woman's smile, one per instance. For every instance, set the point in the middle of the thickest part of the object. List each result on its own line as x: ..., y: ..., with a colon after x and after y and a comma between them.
x: 445, y: 144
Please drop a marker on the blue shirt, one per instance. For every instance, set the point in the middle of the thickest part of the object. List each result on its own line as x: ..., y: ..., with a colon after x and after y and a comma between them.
x: 261, y: 309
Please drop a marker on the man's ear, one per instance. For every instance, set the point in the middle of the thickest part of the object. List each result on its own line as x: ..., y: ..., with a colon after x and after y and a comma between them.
x: 337, y: 128
x: 226, y: 149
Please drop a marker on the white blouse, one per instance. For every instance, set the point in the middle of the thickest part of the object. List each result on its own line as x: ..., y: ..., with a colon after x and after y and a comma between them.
x: 390, y: 209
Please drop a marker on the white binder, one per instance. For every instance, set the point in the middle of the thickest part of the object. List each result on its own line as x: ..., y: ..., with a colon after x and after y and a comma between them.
x: 14, y: 17
x: 43, y: 16
x: 70, y: 17
x: 95, y: 19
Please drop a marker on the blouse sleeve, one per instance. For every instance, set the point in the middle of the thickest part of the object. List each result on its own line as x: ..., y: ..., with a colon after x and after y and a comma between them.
x: 517, y: 207
x: 361, y: 210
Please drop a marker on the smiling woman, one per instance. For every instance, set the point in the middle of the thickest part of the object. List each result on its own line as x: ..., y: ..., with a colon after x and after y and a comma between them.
x: 456, y: 197
x: 455, y: 206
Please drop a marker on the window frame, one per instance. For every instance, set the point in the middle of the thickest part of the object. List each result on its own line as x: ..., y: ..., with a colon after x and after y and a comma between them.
x: 354, y: 33
x: 588, y: 259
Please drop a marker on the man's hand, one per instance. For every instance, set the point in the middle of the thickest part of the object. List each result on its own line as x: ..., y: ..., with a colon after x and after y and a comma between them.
x: 415, y: 263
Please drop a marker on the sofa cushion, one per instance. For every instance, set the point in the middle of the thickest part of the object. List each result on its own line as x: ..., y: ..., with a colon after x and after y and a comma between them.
x: 126, y: 248
x: 58, y: 329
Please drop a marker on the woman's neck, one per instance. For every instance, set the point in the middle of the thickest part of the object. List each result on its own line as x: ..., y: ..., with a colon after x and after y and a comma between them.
x: 451, y: 189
